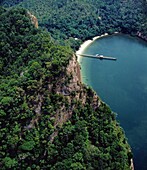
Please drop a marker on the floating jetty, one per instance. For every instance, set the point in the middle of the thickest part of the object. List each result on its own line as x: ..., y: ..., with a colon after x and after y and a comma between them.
x: 97, y: 56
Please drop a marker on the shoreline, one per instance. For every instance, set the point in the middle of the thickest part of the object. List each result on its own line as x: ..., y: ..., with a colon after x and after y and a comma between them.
x: 86, y: 43
x: 82, y: 47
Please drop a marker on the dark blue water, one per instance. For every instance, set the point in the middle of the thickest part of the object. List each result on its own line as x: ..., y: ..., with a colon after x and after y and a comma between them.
x: 122, y: 84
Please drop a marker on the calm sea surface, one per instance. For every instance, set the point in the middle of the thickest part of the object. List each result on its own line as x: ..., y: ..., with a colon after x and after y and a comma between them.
x: 122, y: 84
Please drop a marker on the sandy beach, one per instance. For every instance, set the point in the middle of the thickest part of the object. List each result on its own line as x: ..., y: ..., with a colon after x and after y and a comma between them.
x: 83, y: 46
x: 86, y: 44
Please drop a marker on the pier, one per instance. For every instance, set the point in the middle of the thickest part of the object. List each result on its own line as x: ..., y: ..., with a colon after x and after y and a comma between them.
x: 97, y: 56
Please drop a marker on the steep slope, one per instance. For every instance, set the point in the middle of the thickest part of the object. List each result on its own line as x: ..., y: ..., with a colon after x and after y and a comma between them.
x: 48, y: 118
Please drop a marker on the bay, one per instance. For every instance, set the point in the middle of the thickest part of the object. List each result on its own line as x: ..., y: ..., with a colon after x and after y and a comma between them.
x: 122, y: 84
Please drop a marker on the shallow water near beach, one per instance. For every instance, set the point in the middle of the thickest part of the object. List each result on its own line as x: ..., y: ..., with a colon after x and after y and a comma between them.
x: 122, y: 84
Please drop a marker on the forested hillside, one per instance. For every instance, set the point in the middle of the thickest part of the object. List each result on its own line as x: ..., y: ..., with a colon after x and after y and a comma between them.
x: 48, y: 119
x: 83, y: 19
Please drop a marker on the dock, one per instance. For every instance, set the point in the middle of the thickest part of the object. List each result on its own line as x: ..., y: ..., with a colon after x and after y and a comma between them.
x: 97, y: 56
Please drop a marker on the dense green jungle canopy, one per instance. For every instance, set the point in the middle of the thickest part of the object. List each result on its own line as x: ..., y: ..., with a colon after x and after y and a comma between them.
x: 43, y: 124
x: 83, y: 19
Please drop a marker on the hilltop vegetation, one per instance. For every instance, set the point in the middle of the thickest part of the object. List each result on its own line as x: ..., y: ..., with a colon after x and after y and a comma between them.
x: 83, y: 19
x: 48, y: 119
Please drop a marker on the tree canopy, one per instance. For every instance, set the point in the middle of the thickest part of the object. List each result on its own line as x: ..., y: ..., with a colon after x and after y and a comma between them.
x: 84, y: 19
x: 45, y: 123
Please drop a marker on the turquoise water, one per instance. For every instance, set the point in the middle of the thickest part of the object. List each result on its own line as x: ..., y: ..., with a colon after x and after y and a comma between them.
x: 122, y: 84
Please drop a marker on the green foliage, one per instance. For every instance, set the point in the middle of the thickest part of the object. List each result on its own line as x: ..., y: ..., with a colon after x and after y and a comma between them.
x: 9, y: 3
x: 6, y: 101
x: 88, y: 18
x: 40, y: 126
x: 28, y: 145
x: 9, y: 163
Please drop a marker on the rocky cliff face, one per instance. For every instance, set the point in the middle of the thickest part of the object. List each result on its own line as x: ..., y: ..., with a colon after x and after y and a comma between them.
x: 33, y: 19
x: 75, y: 84
x: 72, y: 90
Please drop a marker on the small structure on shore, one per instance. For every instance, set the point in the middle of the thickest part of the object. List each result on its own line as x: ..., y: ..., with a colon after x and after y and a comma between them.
x: 97, y: 56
